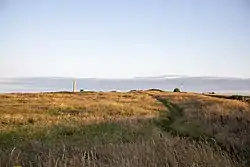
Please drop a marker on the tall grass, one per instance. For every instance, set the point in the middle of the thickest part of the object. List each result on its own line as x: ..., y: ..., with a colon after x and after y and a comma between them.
x: 120, y: 129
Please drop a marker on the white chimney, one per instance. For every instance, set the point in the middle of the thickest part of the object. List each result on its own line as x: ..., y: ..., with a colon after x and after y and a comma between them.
x: 74, y: 85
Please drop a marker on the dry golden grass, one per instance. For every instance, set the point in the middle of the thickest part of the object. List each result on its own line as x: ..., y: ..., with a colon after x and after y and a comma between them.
x: 53, y: 108
x: 120, y: 129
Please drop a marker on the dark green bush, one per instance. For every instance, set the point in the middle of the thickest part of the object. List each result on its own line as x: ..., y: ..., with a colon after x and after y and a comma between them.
x: 177, y: 90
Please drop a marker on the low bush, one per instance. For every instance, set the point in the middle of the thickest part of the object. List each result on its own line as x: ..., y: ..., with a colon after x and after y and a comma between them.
x: 177, y: 90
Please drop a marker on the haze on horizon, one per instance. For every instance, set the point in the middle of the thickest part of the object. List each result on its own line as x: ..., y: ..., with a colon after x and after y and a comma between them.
x: 124, y: 39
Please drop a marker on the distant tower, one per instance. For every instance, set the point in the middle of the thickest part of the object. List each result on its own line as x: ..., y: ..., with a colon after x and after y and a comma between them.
x: 74, y: 85
x: 181, y: 86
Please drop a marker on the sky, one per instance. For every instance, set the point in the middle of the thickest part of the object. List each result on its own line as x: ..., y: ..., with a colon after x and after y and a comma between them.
x: 124, y: 38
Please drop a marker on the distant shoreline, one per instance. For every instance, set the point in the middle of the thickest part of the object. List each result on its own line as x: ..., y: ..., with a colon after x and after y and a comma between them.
x: 96, y: 91
x: 188, y: 84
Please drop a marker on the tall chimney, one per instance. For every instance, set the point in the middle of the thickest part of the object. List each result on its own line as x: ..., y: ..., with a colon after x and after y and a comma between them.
x: 74, y: 85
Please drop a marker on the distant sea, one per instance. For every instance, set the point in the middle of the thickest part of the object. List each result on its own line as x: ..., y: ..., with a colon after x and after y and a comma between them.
x: 189, y: 84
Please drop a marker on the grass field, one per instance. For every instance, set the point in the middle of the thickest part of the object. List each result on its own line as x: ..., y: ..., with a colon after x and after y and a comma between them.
x: 138, y: 128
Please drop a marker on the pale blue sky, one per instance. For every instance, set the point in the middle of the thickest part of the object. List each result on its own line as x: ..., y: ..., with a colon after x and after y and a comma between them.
x: 124, y: 38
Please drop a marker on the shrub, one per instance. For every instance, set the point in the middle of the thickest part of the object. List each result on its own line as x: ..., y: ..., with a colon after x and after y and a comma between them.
x: 81, y: 90
x: 156, y: 90
x: 177, y: 90
x: 238, y: 97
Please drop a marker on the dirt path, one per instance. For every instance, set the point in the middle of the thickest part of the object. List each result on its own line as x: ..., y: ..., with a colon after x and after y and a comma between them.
x: 174, y: 122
